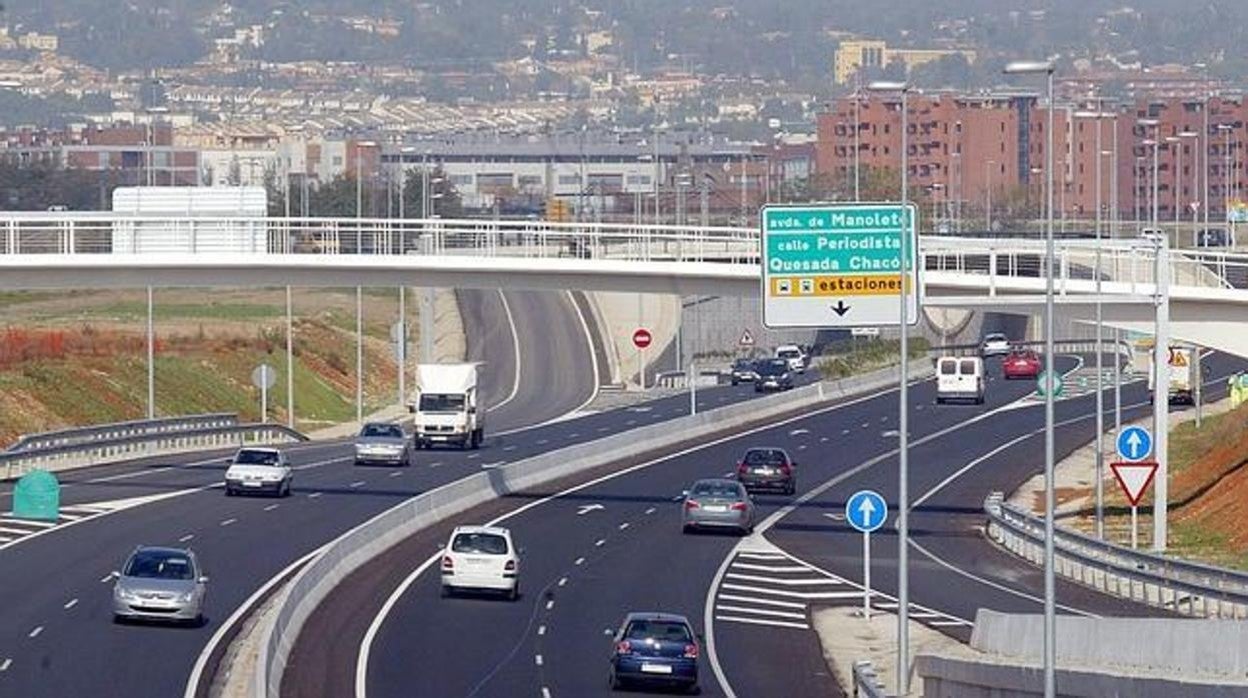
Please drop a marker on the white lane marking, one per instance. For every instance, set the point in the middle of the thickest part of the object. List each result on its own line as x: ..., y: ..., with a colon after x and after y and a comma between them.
x: 228, y: 522
x: 314, y: 495
x: 14, y: 531
x: 515, y: 343
x: 586, y: 508
x: 579, y: 561
x: 563, y: 581
x: 769, y: 568
x: 271, y: 507
x: 83, y: 509
x: 10, y: 519
x: 600, y: 542
x: 537, y: 659
x: 106, y: 579
x: 186, y: 538
x: 650, y: 510
x: 550, y: 604
x: 70, y: 604
x: 244, y: 609
x: 491, y: 466
x: 760, y: 611
x: 802, y: 447
x: 574, y: 435
x: 631, y: 422
x: 473, y: 456
x: 543, y: 442
x: 71, y: 517
x: 602, y: 429
x: 509, y: 448
x: 765, y: 602
x: 945, y: 623
x: 357, y: 484
x: 4, y: 666
x: 793, y: 594
x: 678, y: 497
x: 5, y: 540
x: 760, y: 621
x: 781, y: 581
x: 823, y: 439
x: 799, y: 432
x: 541, y: 630
x: 35, y: 633
x: 396, y: 473
x: 844, y: 432
x: 762, y: 556
x: 545, y: 692
x: 623, y: 526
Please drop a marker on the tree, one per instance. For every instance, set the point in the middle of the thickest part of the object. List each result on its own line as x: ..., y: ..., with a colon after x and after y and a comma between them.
x: 446, y: 201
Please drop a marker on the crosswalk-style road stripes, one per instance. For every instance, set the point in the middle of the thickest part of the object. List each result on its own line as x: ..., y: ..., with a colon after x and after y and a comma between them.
x: 13, y: 529
x: 766, y: 587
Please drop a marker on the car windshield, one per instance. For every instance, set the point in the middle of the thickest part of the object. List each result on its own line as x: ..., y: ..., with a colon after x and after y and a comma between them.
x: 995, y: 338
x: 658, y: 630
x: 743, y: 364
x: 722, y: 490
x: 765, y: 457
x: 153, y: 564
x: 773, y: 368
x: 441, y: 403
x: 249, y: 457
x: 479, y: 543
x: 392, y: 431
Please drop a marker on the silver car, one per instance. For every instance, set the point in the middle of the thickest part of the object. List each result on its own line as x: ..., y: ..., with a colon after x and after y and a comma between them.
x: 163, y: 584
x: 717, y: 503
x: 383, y: 444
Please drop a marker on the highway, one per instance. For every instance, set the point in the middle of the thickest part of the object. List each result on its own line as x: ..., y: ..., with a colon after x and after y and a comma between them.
x: 584, y: 566
x: 56, y: 634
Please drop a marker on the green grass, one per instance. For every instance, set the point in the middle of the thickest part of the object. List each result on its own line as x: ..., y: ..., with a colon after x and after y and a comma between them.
x: 868, y: 356
x: 135, y: 310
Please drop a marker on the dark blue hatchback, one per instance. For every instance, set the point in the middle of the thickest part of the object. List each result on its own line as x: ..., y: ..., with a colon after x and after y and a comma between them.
x: 655, y: 648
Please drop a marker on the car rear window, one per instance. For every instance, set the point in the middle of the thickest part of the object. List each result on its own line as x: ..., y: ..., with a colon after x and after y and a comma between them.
x: 762, y: 457
x: 948, y: 368
x: 715, y: 489
x: 658, y: 630
x: 382, y: 430
x: 479, y: 543
x: 147, y: 564
x: 967, y: 367
x: 246, y: 457
x: 788, y: 354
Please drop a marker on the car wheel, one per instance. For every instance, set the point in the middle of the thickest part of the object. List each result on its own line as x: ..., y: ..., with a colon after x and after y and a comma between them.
x: 119, y: 619
x: 616, y: 683
x: 514, y: 593
x: 686, y: 529
x: 447, y: 592
x: 229, y: 491
x: 734, y: 383
x: 694, y: 690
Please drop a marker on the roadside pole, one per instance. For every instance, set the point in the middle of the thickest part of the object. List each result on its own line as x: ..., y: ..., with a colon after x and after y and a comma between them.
x: 290, y: 361
x: 1161, y: 401
x: 866, y: 575
x: 1198, y: 389
x: 693, y: 388
x: 402, y: 346
x: 151, y: 359
x: 359, y: 354
x: 426, y: 326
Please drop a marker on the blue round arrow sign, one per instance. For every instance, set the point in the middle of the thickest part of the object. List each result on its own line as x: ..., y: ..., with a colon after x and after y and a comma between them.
x: 866, y: 511
x: 1135, y: 444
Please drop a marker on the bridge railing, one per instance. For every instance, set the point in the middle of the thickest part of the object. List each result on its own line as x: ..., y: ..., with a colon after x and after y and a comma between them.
x: 109, y: 443
x: 1186, y: 588
x: 867, y: 683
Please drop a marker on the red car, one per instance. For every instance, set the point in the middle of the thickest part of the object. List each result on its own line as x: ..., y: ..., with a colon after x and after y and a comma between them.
x: 1021, y: 363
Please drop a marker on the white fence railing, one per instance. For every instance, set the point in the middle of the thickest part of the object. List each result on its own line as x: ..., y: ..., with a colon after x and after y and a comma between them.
x: 1186, y: 588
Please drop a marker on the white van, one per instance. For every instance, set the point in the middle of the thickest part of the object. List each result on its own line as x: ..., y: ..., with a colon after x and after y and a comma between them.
x: 959, y: 378
x: 481, y: 558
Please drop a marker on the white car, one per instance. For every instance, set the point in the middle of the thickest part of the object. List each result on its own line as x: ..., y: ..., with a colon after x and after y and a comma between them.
x: 794, y: 355
x: 481, y: 558
x: 995, y: 344
x: 262, y: 470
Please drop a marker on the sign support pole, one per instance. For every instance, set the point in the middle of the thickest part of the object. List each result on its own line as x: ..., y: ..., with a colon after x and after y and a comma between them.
x: 1135, y: 527
x: 264, y: 402
x: 693, y: 389
x: 866, y: 575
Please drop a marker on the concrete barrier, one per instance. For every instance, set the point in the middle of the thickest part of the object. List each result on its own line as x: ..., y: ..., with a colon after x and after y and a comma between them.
x: 372, y: 538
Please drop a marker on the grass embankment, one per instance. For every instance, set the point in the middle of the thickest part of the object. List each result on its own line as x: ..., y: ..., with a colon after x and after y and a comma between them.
x: 78, y: 358
x: 1208, y: 479
x: 857, y: 358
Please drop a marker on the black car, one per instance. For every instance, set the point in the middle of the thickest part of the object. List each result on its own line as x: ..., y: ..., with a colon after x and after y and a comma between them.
x: 744, y: 371
x: 657, y: 649
x: 773, y: 374
x: 767, y: 469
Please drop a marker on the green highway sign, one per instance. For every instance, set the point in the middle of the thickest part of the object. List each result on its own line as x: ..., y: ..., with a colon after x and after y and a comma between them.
x: 1046, y: 381
x: 838, y: 265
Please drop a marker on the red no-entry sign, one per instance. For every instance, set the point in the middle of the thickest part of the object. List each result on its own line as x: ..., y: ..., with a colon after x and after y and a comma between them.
x: 641, y: 338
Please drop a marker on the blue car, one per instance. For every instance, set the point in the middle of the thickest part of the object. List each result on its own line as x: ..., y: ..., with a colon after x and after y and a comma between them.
x: 656, y: 649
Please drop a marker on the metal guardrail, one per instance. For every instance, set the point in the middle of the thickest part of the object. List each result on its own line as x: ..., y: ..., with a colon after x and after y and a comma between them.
x: 118, y: 442
x: 1186, y: 588
x: 117, y: 430
x: 867, y: 683
x: 356, y: 547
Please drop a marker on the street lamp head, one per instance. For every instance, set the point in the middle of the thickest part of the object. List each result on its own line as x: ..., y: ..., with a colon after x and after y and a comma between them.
x: 1028, y: 67
x: 1225, y: 127
x: 1188, y: 134
x: 888, y: 86
x: 1148, y: 141
x: 1147, y: 122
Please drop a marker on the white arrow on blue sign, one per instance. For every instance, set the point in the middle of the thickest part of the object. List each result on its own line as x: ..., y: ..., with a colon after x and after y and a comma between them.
x: 1135, y: 444
x: 866, y: 511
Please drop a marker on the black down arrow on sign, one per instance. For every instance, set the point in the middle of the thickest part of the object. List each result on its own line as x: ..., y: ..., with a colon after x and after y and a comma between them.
x: 840, y: 308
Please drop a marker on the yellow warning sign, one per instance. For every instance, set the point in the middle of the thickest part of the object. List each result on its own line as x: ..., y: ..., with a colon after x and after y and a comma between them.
x: 1178, y: 358
x: 863, y: 285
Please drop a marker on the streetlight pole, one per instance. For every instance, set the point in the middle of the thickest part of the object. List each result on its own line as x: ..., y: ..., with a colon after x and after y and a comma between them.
x: 1161, y: 359
x: 857, y: 148
x: 1050, y: 588
x: 903, y: 437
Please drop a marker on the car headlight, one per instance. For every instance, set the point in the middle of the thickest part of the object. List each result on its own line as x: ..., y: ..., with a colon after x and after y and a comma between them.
x: 273, y: 478
x: 124, y: 594
x: 186, y: 598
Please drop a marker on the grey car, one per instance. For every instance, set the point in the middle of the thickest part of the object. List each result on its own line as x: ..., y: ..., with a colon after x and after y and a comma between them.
x: 381, y: 443
x: 717, y: 503
x: 160, y: 584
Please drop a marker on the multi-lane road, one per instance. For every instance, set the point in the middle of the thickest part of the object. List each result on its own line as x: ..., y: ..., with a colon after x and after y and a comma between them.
x: 594, y: 551
x: 56, y: 634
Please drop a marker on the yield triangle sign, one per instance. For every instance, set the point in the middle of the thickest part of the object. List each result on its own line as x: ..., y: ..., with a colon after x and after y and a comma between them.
x: 1134, y: 478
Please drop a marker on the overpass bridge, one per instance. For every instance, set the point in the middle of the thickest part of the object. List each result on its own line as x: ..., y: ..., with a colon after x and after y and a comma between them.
x: 1208, y: 290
